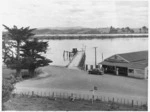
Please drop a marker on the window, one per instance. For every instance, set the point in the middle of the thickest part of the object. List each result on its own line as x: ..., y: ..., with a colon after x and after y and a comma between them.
x: 131, y: 70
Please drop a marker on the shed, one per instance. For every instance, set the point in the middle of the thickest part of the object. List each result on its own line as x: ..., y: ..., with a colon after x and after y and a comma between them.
x: 134, y: 64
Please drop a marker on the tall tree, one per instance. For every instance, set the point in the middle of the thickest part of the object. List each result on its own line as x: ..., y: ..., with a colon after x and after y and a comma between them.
x: 31, y: 53
x: 140, y: 30
x: 113, y: 30
x: 19, y: 35
x: 145, y: 29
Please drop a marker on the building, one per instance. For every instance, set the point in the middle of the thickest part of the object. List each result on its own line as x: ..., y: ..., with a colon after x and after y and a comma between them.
x: 134, y: 64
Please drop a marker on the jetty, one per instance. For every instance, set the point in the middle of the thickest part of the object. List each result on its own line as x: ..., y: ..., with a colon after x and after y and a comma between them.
x: 78, y: 61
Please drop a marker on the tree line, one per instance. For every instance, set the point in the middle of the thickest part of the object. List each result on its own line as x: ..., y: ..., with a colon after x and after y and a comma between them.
x: 114, y: 30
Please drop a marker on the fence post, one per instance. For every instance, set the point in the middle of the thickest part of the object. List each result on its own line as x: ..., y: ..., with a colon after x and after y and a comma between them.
x: 113, y: 100
x: 79, y: 97
x: 32, y: 93
x: 82, y: 96
x: 137, y: 102
x: 97, y: 98
x: 72, y: 98
x: 87, y: 97
x: 71, y: 95
x: 28, y: 93
x: 92, y: 99
x: 56, y: 94
x: 63, y: 95
x: 132, y: 103
x: 124, y: 101
x: 127, y: 102
x: 53, y: 95
x: 60, y: 94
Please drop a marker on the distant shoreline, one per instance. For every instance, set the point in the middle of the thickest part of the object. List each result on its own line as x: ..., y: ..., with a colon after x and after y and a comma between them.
x: 88, y: 36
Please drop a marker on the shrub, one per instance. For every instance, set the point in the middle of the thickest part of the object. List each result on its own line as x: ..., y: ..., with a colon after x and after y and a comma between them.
x: 38, y: 72
x: 7, y: 88
x: 25, y: 74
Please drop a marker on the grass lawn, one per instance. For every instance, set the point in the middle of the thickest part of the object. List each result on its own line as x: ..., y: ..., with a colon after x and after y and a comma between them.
x: 31, y: 103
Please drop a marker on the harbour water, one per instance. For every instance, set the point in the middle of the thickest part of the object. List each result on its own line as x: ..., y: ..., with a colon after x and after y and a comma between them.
x: 105, y: 47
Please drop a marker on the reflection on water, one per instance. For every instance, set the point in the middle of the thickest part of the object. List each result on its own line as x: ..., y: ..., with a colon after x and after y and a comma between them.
x: 107, y: 47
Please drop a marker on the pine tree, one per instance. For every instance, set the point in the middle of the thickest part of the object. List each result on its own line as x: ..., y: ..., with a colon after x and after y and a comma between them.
x: 18, y: 35
x: 31, y: 53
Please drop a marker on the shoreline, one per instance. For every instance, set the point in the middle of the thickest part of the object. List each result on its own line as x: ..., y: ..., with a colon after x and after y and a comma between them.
x: 89, y: 36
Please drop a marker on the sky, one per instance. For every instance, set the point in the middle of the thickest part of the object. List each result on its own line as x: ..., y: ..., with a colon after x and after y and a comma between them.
x: 75, y: 13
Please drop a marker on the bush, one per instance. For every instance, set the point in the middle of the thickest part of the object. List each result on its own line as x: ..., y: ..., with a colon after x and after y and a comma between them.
x: 25, y: 75
x: 7, y: 88
x: 38, y: 72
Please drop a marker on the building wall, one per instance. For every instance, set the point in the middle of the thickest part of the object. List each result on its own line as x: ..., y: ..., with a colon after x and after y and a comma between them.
x: 138, y: 73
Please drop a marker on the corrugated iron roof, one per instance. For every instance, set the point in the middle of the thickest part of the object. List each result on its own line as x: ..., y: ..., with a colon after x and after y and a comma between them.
x: 137, y: 60
x: 135, y: 56
x: 128, y: 65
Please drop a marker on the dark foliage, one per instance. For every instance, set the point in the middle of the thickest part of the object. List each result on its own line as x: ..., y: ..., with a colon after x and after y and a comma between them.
x: 31, y: 53
x: 19, y: 35
x: 7, y: 88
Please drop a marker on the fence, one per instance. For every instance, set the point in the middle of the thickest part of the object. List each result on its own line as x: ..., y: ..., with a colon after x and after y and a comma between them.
x: 78, y: 96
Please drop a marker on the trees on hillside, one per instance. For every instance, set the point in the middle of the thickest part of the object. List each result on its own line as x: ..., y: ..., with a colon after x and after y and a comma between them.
x: 112, y: 30
x: 145, y: 29
x: 121, y: 30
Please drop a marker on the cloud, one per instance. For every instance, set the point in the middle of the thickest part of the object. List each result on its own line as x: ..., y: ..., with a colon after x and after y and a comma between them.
x: 135, y: 3
x: 90, y: 13
x: 62, y: 2
x: 76, y: 10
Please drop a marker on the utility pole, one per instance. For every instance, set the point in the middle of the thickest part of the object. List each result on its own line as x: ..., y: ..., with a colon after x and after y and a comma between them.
x: 102, y: 56
x: 95, y: 57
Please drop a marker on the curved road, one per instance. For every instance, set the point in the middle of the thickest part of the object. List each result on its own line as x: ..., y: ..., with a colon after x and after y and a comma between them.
x: 62, y: 79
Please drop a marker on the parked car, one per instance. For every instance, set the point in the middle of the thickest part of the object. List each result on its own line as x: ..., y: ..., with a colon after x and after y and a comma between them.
x: 96, y: 71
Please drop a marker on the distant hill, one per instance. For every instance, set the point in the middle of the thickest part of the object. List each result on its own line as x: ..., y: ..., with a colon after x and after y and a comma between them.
x: 80, y: 30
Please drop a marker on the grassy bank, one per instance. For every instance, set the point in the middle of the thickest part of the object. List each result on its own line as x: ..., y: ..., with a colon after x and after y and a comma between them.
x: 35, y: 103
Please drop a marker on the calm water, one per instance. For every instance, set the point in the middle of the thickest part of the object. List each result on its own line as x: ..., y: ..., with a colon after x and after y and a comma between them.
x: 107, y: 47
